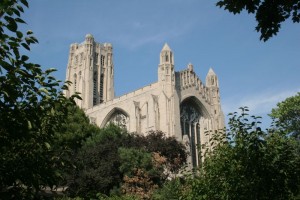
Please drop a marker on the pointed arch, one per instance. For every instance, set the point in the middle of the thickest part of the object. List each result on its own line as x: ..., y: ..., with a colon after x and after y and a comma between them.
x: 192, y: 115
x: 118, y: 117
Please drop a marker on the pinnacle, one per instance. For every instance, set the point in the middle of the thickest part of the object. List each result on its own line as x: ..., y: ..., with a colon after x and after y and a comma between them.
x: 211, y: 72
x: 166, y: 47
x: 89, y: 35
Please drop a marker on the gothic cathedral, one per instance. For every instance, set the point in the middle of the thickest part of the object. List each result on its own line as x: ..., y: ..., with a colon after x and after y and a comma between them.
x: 179, y: 103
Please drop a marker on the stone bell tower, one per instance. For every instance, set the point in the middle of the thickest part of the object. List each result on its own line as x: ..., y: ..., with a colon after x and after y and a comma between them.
x: 91, y: 71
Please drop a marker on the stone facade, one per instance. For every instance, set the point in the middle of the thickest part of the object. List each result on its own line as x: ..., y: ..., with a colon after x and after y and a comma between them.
x: 179, y: 103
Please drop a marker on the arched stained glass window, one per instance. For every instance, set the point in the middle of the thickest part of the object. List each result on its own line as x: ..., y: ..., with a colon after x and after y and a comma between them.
x: 190, y: 115
x: 120, y: 119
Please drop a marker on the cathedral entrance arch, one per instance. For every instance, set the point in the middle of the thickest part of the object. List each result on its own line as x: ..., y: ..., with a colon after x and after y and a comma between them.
x: 192, y: 120
x: 118, y: 117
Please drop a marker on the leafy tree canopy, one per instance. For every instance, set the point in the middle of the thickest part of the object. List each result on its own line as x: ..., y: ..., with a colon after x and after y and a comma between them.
x: 269, y: 14
x: 113, y: 161
x: 97, y: 164
x: 32, y: 108
x: 287, y: 115
x: 168, y: 147
x: 75, y: 129
x: 249, y: 164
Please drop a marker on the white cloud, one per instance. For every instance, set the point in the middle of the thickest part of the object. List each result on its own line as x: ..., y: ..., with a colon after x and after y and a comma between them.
x: 259, y: 103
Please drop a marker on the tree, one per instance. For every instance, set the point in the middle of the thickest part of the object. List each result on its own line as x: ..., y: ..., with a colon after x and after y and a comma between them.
x: 113, y: 160
x: 269, y: 14
x: 287, y: 115
x: 75, y: 129
x: 170, y: 190
x: 70, y: 137
x: 32, y: 108
x: 248, y: 163
x: 140, y: 175
x: 168, y: 147
x: 97, y: 164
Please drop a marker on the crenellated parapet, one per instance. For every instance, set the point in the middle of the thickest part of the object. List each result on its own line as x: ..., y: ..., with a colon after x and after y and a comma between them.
x: 188, y: 78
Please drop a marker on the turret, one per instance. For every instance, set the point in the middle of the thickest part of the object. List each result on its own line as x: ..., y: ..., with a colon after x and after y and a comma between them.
x: 212, y: 83
x: 212, y: 79
x: 166, y: 72
x: 89, y: 39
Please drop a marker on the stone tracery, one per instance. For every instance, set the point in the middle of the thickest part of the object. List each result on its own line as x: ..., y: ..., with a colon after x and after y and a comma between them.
x: 120, y: 119
x: 190, y: 116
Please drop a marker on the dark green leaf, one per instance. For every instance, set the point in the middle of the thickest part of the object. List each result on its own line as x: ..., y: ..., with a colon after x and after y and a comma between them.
x: 20, y: 20
x: 26, y: 46
x: 48, y: 71
x: 6, y: 65
x: 17, y: 12
x: 29, y: 32
x: 19, y: 34
x: 24, y: 2
x: 20, y: 8
x: 12, y: 26
x: 24, y: 58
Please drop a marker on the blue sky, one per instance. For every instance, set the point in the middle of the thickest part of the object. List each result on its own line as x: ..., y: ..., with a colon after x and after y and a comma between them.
x: 251, y: 73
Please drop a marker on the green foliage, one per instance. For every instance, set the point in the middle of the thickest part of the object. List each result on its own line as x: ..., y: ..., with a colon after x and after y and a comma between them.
x: 97, y: 164
x: 287, y: 115
x: 250, y: 164
x: 75, y: 130
x: 132, y: 158
x: 32, y: 108
x: 123, y: 197
x: 111, y: 132
x: 168, y: 147
x: 171, y: 190
x: 69, y: 139
x: 101, y: 197
x: 111, y: 160
x: 269, y: 14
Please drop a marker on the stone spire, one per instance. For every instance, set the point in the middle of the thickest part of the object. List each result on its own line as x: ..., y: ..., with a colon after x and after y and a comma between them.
x: 166, y: 55
x: 166, y: 47
x: 212, y: 79
x: 166, y: 74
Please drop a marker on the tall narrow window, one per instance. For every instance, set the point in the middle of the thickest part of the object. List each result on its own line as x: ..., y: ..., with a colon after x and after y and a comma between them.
x: 198, y: 143
x: 95, y: 88
x: 193, y: 145
x: 96, y: 58
x: 167, y: 58
x: 75, y: 82
x: 81, y: 57
x: 101, y: 87
x: 102, y: 60
x: 76, y: 60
